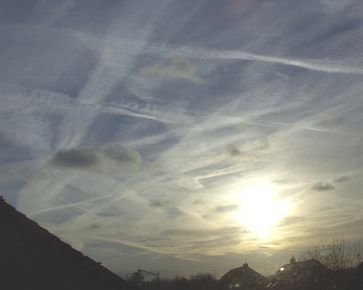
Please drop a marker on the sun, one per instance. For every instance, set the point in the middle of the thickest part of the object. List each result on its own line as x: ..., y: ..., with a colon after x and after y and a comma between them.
x: 261, y: 209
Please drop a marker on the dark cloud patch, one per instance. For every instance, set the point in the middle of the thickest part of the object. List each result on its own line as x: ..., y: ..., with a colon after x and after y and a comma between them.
x: 122, y: 154
x: 199, y: 201
x: 94, y: 226
x: 323, y: 186
x: 251, y: 147
x: 342, y: 179
x: 76, y: 158
x: 90, y: 157
x: 233, y: 151
x: 159, y: 203
x: 227, y: 208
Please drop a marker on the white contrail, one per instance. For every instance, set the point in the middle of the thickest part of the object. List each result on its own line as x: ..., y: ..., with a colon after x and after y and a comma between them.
x: 328, y: 66
x: 315, y: 65
x: 118, y: 44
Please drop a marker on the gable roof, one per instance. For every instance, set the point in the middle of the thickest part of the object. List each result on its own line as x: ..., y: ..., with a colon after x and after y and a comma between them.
x: 242, y: 277
x: 33, y: 258
x: 311, y: 266
x: 360, y: 268
x: 308, y: 274
x: 359, y: 273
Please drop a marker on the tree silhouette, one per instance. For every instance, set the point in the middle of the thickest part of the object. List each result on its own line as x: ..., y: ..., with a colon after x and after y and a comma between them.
x: 335, y: 253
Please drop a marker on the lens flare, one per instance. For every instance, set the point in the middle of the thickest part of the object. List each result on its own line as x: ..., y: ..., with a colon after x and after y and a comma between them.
x: 261, y: 209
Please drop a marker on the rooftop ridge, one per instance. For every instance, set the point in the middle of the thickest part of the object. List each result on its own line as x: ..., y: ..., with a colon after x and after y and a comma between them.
x: 26, y: 237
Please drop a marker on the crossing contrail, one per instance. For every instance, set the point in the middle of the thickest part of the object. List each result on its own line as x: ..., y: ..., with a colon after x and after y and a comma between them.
x: 328, y: 66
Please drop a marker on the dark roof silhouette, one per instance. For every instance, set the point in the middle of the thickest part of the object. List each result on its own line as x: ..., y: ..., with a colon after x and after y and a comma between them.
x: 359, y: 269
x: 242, y: 278
x: 309, y: 274
x: 33, y: 258
x: 359, y: 275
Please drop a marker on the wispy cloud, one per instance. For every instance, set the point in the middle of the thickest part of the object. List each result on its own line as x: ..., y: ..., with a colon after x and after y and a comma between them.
x: 309, y: 64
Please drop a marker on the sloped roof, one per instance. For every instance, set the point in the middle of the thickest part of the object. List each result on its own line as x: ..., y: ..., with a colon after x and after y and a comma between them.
x: 244, y: 277
x: 33, y: 258
x: 311, y: 266
x: 307, y: 274
x: 359, y: 273
x: 360, y: 268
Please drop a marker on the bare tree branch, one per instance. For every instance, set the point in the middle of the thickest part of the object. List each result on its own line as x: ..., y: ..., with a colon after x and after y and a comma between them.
x: 334, y: 253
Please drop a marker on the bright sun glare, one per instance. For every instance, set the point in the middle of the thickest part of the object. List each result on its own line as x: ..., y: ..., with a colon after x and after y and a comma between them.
x: 261, y: 209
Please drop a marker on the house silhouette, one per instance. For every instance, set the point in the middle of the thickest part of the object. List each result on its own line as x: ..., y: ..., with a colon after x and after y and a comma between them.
x: 33, y: 258
x: 308, y: 274
x: 243, y: 278
x: 297, y: 275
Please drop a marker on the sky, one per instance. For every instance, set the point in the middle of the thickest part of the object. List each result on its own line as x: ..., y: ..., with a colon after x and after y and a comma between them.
x: 184, y: 136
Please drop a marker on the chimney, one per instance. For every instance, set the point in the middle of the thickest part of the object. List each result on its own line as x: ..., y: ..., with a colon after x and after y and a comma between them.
x: 292, y: 260
x: 245, y: 265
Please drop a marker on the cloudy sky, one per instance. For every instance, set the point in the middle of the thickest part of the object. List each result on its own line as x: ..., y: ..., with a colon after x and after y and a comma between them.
x: 184, y: 136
